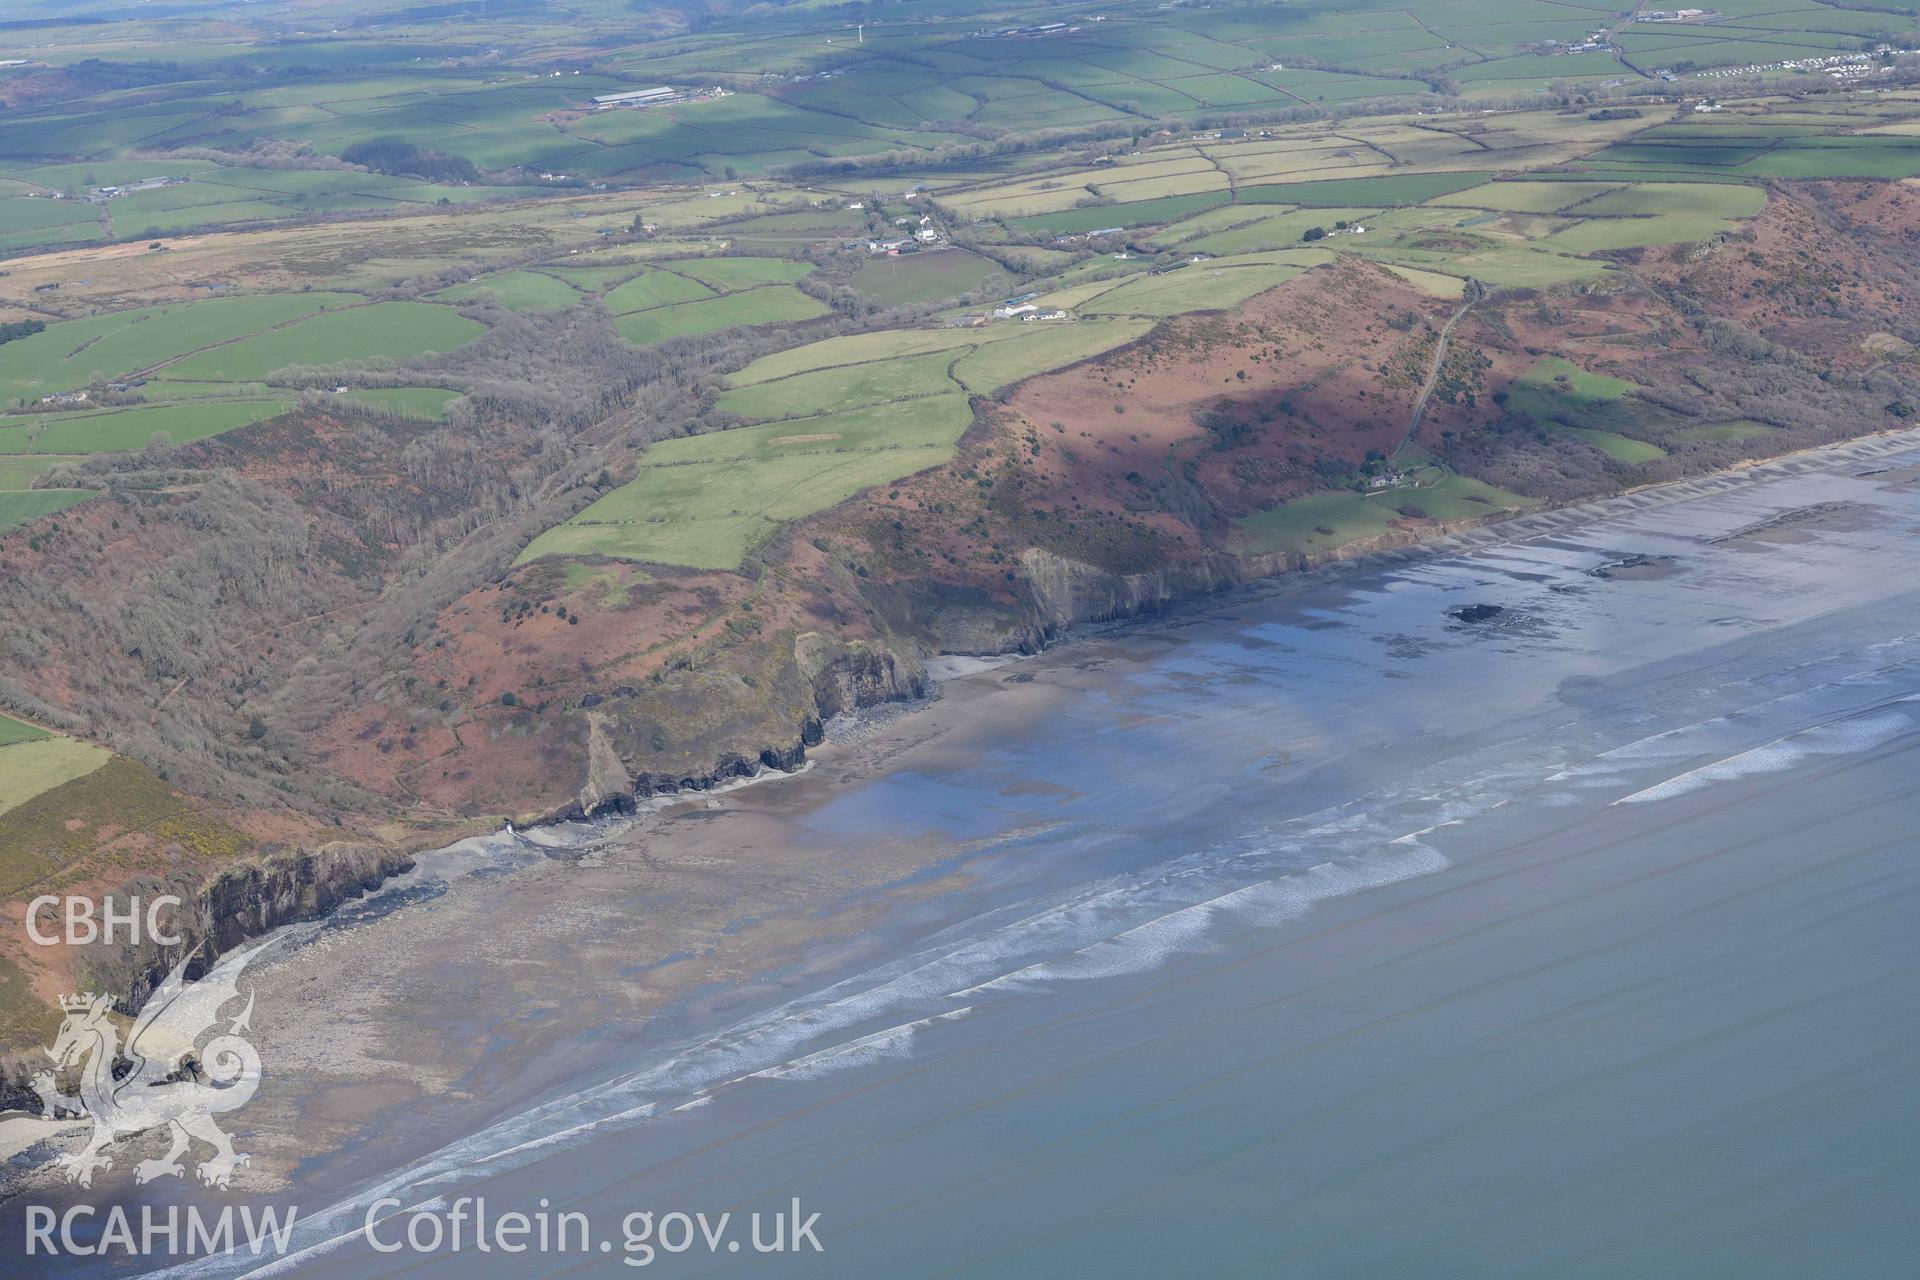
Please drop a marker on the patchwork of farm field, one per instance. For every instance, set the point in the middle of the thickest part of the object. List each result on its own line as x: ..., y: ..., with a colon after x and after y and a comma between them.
x: 67, y: 356
x: 840, y: 416
x: 816, y: 149
x: 1747, y: 145
x: 747, y: 308
x: 385, y: 330
x: 518, y: 291
x: 1443, y: 202
x: 49, y: 205
x: 1385, y: 162
x: 706, y: 501
x: 378, y: 137
x: 1439, y: 225
x: 685, y: 297
x: 178, y: 372
x: 1212, y: 285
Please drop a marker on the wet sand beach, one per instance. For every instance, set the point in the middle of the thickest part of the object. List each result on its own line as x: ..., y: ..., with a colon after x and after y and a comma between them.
x: 1340, y: 928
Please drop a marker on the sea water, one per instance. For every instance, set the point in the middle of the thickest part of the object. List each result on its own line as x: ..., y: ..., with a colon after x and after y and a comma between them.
x: 1324, y: 933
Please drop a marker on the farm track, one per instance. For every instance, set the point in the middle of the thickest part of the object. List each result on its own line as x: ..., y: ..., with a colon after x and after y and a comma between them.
x: 1447, y: 40
x: 1433, y: 371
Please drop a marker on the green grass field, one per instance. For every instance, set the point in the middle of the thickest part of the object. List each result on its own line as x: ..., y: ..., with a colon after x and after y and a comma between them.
x: 730, y: 275
x: 1400, y: 189
x: 1616, y: 446
x: 1323, y: 521
x: 835, y: 389
x: 12, y: 731
x: 1564, y: 378
x: 918, y: 279
x: 1524, y: 197
x: 1737, y: 156
x: 1204, y: 286
x: 594, y: 276
x: 1598, y: 234
x: 110, y: 430
x: 1133, y: 213
x: 384, y: 330
x: 705, y: 501
x: 1455, y: 497
x: 1584, y: 406
x: 34, y: 766
x: 655, y: 287
x: 1508, y: 266
x: 20, y: 473
x: 858, y: 348
x: 1316, y: 522
x: 1275, y: 231
x: 839, y: 373
x: 17, y: 508
x: 67, y: 355
x: 1695, y: 199
x: 770, y: 304
x: 516, y: 291
x: 1049, y: 346
x: 413, y: 402
x: 1430, y: 282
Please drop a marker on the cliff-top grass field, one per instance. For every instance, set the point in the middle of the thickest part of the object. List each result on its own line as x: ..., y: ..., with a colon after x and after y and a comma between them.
x: 31, y: 766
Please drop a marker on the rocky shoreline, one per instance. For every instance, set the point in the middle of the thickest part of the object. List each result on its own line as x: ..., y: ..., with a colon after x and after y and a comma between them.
x: 239, y: 903
x: 248, y: 899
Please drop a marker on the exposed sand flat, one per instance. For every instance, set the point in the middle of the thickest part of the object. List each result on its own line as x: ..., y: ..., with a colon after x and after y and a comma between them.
x: 1317, y: 925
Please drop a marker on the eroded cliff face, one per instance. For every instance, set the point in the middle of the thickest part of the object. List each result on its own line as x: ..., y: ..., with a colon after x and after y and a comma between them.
x: 239, y: 903
x: 243, y: 902
x: 1067, y: 591
x: 725, y: 723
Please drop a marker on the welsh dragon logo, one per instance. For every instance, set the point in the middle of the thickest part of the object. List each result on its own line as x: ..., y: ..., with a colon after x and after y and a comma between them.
x: 221, y: 1075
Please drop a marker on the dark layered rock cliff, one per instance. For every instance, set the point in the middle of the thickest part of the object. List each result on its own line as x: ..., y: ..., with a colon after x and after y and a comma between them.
x: 242, y: 902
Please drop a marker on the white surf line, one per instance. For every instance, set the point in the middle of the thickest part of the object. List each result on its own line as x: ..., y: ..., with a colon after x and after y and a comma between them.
x: 1734, y: 727
x: 1139, y: 947
x: 1848, y: 735
x: 894, y: 1042
x: 1325, y: 880
x: 461, y: 1159
x: 1184, y: 932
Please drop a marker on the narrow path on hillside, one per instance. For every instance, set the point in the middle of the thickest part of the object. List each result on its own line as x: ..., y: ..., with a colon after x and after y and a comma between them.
x: 1467, y: 301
